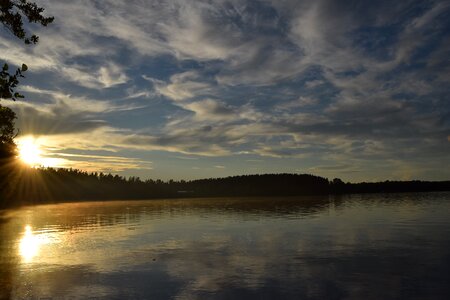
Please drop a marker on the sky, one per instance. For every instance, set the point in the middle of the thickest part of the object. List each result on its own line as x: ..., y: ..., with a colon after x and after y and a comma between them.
x: 188, y: 89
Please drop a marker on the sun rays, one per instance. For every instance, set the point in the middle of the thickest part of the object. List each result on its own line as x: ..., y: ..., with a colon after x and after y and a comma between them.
x: 33, y: 153
x: 30, y: 152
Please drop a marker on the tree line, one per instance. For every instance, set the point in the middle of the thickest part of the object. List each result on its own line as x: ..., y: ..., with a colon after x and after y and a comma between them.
x: 50, y: 185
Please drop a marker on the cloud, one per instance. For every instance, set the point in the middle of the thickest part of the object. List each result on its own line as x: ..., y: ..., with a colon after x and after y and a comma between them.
x: 111, y: 75
x: 211, y: 110
x: 313, y: 83
x: 302, y: 101
x: 358, y: 82
x: 72, y: 102
x: 198, y: 32
x: 101, y: 163
x: 105, y: 76
x: 54, y: 119
x: 62, y: 113
x: 183, y: 86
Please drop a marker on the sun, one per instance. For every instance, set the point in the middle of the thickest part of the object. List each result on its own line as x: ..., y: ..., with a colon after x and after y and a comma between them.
x: 33, y: 152
x: 30, y: 152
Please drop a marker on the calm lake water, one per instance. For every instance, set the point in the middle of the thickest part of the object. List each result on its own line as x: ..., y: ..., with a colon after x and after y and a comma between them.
x: 394, y: 246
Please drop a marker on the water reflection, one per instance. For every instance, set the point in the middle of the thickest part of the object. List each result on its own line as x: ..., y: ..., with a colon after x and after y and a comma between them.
x: 375, y: 247
x: 29, y: 245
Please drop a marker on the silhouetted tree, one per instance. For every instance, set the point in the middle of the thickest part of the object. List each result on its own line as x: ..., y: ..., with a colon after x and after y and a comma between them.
x: 337, y: 186
x: 59, y: 185
x: 12, y: 13
x: 7, y: 151
x: 8, y: 82
x: 7, y: 133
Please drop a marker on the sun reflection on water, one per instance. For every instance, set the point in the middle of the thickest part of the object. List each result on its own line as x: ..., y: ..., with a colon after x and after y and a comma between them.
x: 31, y: 243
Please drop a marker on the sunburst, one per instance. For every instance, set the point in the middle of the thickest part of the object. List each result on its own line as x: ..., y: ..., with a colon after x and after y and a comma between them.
x: 32, y: 153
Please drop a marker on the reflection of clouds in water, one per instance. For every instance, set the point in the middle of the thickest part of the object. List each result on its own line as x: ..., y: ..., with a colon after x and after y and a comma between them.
x: 346, y: 249
x: 241, y: 263
x: 352, y: 274
x: 216, y: 264
x: 83, y: 282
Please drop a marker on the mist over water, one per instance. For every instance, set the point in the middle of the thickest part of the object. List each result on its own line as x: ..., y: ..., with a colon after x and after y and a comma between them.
x: 391, y: 246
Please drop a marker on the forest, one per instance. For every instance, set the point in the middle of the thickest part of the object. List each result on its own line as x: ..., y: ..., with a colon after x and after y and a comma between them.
x: 24, y: 186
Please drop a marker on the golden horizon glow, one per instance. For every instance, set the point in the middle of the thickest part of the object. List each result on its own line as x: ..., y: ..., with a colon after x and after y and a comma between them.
x: 32, y: 153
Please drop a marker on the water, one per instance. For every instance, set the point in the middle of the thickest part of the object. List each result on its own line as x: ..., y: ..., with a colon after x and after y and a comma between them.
x: 352, y: 247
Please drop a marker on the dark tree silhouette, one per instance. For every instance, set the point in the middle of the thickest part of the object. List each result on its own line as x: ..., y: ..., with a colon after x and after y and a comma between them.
x: 8, y: 82
x: 12, y: 13
x: 59, y: 185
x: 7, y: 133
x: 8, y: 151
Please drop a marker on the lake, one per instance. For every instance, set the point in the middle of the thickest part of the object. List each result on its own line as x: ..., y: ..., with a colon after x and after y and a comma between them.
x: 379, y: 246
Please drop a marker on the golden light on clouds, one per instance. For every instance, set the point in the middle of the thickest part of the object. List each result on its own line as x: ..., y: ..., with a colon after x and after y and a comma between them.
x: 54, y: 152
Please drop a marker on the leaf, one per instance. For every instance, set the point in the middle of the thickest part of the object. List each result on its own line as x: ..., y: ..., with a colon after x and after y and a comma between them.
x: 24, y: 67
x: 5, y: 67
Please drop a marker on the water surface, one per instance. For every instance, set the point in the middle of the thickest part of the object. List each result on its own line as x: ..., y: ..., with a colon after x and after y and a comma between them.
x: 393, y: 246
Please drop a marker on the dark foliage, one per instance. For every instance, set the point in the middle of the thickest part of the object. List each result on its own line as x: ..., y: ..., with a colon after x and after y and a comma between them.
x: 7, y: 133
x: 7, y: 148
x: 54, y: 185
x: 33, y: 186
x: 12, y: 13
x: 8, y: 82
